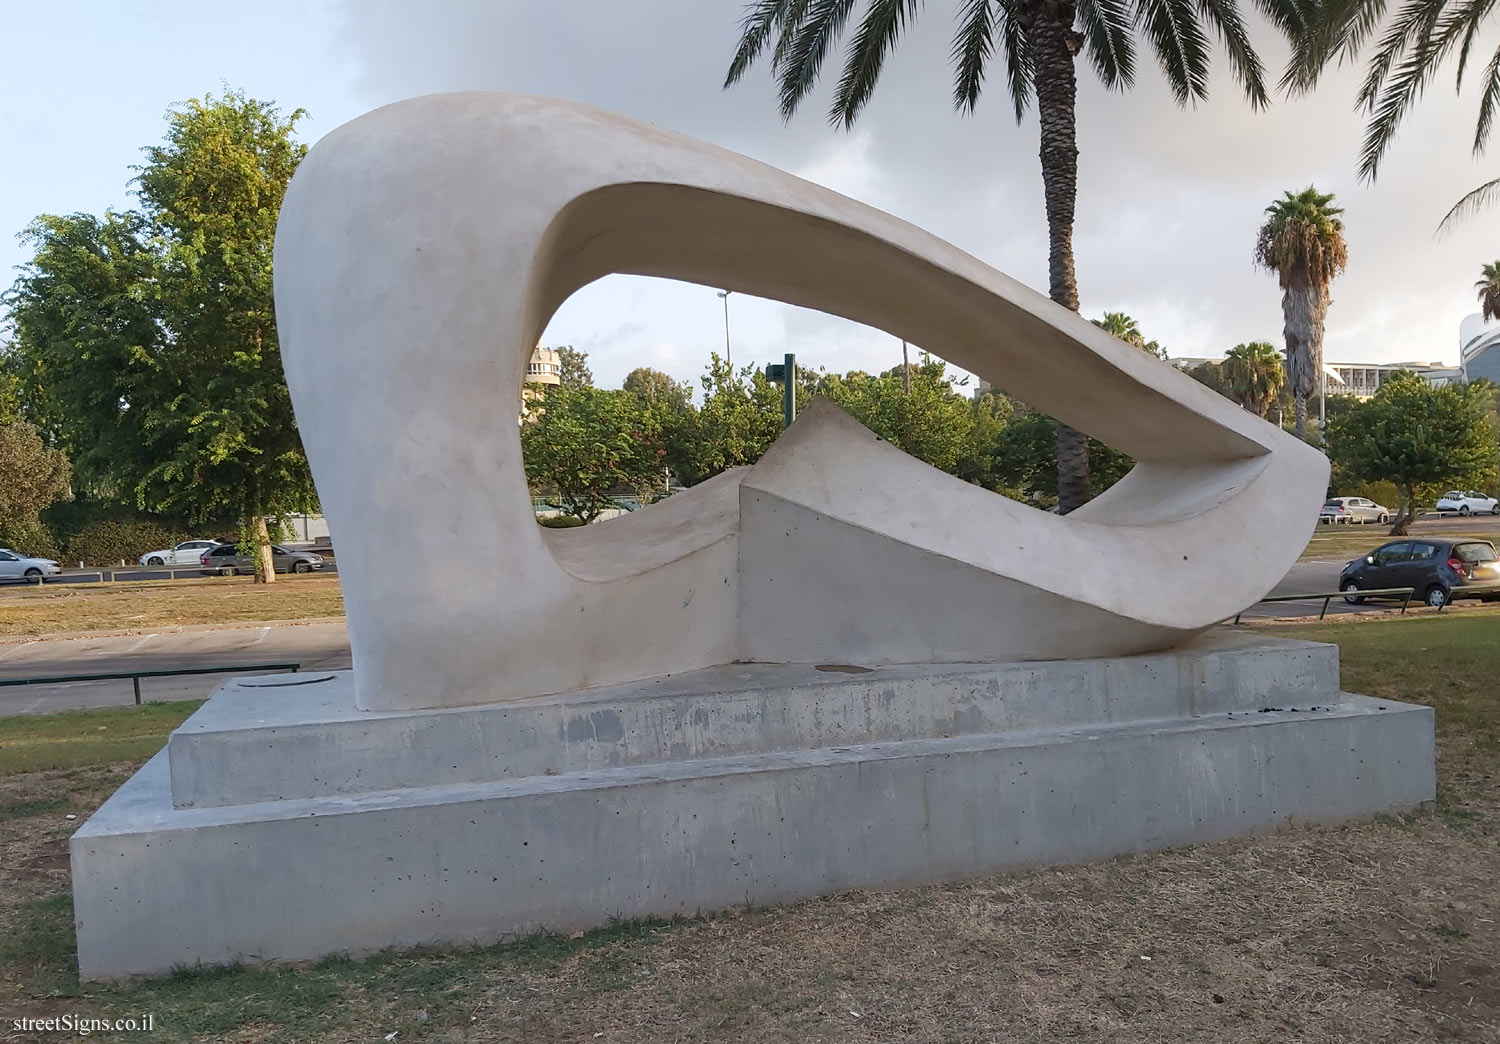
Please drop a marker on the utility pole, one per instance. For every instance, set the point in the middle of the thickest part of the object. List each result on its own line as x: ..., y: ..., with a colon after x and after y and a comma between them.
x: 728, y: 356
x: 905, y: 369
x: 1322, y: 405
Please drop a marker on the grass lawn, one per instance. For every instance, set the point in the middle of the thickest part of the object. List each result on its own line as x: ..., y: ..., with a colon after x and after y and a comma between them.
x: 66, y: 608
x: 1382, y: 931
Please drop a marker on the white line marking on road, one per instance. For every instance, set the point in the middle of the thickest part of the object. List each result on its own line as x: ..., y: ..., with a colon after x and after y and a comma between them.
x: 142, y: 642
x: 263, y: 632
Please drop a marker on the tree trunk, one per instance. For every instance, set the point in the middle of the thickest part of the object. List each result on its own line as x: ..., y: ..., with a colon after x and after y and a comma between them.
x: 265, y: 567
x: 1303, y: 310
x: 1049, y: 30
x: 1407, y: 513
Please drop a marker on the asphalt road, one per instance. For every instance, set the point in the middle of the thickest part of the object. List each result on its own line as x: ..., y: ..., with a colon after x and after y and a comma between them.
x: 325, y: 646
x: 316, y: 646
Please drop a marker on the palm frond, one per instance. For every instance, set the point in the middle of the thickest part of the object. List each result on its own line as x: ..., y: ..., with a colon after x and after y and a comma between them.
x: 973, y: 46
x: 1471, y: 204
x: 1328, y: 29
x: 796, y: 11
x: 1410, y: 30
x: 1390, y: 100
x: 1468, y: 16
x: 873, y: 40
x: 1487, y: 102
x: 1020, y: 63
x: 1108, y: 34
x: 1224, y: 16
x: 804, y: 54
x: 1181, y: 48
x: 760, y: 20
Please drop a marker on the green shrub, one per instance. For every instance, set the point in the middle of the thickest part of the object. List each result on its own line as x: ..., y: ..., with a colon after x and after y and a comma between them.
x: 108, y: 542
x: 33, y: 541
x: 560, y: 521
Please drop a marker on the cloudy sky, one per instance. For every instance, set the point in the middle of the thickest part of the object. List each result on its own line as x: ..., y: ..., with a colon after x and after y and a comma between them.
x: 1170, y: 199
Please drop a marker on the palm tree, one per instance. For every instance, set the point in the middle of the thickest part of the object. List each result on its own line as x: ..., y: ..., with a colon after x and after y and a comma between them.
x: 1302, y: 241
x: 1488, y: 287
x: 1411, y: 46
x: 1122, y: 326
x: 1255, y: 375
x: 1040, y: 41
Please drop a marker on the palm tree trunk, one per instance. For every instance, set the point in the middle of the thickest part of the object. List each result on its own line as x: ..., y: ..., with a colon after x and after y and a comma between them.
x: 1049, y: 29
x: 1303, y: 310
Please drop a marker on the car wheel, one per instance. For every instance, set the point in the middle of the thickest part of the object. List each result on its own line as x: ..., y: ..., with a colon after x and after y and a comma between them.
x: 1495, y: 510
x: 1383, y: 519
x: 1351, y: 598
x: 154, y: 560
x: 1464, y: 510
x: 301, y: 567
x: 229, y: 571
x: 33, y: 576
x: 1436, y: 596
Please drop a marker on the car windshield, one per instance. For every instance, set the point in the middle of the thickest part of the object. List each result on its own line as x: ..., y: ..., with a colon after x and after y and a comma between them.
x: 1334, y: 504
x: 1476, y: 553
x: 1452, y: 495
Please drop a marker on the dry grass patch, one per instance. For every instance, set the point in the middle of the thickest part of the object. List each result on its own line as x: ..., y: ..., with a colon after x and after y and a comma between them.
x: 1382, y: 931
x: 71, y: 608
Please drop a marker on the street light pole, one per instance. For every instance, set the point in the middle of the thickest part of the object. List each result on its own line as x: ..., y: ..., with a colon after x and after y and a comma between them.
x: 728, y: 355
x: 1322, y: 404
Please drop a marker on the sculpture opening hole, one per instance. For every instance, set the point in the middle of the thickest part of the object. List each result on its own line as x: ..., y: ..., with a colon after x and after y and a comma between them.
x: 644, y: 386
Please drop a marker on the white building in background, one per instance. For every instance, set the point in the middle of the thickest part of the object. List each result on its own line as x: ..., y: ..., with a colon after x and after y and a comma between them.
x: 1362, y: 380
x: 1479, y: 349
x: 545, y: 366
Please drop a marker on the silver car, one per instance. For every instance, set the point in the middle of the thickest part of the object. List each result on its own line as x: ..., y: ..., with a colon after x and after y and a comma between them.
x: 16, y: 566
x: 1352, y: 511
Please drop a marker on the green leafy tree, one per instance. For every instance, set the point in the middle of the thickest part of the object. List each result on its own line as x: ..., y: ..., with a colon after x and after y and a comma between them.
x: 651, y: 385
x: 674, y: 416
x: 153, y: 332
x: 1488, y: 289
x: 1211, y: 375
x: 1302, y: 241
x: 573, y: 368
x: 740, y: 417
x: 1040, y: 41
x: 1255, y: 375
x: 930, y: 421
x: 33, y: 477
x: 1418, y: 436
x: 583, y: 444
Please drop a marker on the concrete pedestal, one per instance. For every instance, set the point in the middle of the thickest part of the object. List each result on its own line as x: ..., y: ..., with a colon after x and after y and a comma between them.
x: 282, y: 823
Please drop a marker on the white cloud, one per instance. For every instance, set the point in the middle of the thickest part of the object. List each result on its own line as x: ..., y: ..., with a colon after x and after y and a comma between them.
x: 1170, y: 200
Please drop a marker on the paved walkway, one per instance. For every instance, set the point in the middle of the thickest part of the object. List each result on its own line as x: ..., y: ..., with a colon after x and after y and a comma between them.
x: 322, y: 645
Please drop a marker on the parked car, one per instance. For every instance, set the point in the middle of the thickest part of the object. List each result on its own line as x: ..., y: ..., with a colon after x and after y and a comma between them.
x: 226, y: 560
x: 16, y: 566
x: 1438, y: 570
x: 189, y: 552
x: 1467, y: 502
x: 1352, y: 511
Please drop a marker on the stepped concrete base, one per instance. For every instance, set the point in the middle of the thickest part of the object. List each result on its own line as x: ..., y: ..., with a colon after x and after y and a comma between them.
x: 281, y: 823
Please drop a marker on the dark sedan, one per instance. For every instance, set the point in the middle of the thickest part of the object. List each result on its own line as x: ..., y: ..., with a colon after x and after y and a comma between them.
x: 1438, y: 570
x: 227, y: 561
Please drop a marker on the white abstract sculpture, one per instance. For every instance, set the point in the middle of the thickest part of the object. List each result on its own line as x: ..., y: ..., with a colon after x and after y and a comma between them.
x: 421, y: 251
